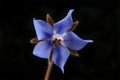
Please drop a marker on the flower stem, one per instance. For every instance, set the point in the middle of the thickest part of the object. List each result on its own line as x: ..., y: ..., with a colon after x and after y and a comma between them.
x: 50, y: 63
x: 48, y: 70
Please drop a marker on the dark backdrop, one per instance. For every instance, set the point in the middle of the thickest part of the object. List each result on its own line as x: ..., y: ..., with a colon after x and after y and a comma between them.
x: 99, y: 20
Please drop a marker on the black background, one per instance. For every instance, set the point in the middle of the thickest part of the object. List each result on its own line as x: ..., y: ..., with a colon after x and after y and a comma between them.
x: 99, y: 21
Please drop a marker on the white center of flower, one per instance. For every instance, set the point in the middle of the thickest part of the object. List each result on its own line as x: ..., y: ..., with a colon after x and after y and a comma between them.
x: 57, y: 39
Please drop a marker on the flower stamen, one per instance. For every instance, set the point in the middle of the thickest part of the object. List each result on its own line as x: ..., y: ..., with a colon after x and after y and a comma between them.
x: 57, y: 39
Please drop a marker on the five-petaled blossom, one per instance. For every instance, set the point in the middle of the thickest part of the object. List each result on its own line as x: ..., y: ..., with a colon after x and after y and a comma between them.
x: 57, y: 38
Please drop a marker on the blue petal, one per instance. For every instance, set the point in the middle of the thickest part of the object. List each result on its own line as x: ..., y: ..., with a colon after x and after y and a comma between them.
x: 43, y: 49
x: 72, y: 41
x: 64, y: 24
x: 43, y: 29
x: 60, y: 55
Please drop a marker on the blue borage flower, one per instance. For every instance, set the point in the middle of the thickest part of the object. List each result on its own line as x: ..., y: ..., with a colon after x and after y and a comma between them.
x: 58, y: 39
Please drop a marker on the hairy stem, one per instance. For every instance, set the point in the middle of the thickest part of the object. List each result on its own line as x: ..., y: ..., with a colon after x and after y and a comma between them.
x: 50, y: 63
x: 48, y: 70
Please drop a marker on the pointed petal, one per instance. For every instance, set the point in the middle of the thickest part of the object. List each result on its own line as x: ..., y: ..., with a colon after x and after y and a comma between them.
x: 43, y: 29
x: 42, y: 49
x: 72, y: 41
x: 64, y: 24
x: 60, y: 56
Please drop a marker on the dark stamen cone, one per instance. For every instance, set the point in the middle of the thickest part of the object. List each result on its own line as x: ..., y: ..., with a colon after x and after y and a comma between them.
x: 34, y: 40
x: 49, y: 20
x: 73, y: 52
x: 74, y: 25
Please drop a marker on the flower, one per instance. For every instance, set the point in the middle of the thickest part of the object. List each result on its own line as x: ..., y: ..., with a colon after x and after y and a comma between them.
x: 57, y: 38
